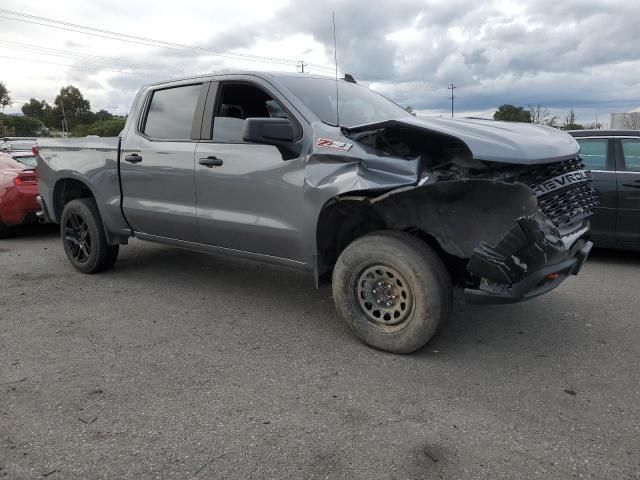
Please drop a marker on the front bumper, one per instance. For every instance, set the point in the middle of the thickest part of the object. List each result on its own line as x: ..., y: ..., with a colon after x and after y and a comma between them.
x: 537, y: 283
x: 531, y: 259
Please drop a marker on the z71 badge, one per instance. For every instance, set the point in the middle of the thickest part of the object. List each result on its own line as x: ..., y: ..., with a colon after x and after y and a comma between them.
x: 561, y: 181
x: 328, y: 143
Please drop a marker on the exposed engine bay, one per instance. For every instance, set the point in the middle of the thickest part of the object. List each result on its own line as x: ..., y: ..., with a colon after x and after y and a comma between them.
x: 506, y: 219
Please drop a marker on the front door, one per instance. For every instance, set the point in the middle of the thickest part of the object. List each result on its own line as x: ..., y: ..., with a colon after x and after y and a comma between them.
x: 628, y: 228
x: 157, y: 165
x: 247, y: 193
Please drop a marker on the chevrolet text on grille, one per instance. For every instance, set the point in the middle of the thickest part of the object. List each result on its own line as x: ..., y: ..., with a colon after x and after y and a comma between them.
x: 561, y: 181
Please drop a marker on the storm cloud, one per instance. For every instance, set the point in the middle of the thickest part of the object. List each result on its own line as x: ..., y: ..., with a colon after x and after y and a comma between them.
x: 559, y: 54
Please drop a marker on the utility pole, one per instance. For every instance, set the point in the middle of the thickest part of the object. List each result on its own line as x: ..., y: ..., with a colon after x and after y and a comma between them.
x: 452, y: 87
x: 64, y: 117
x: 301, y: 66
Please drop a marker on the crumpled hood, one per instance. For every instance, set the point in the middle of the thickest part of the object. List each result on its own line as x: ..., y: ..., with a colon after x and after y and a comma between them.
x: 510, y: 142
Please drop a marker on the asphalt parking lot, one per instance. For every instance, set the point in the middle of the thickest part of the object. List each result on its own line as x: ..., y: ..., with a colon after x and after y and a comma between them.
x: 180, y: 365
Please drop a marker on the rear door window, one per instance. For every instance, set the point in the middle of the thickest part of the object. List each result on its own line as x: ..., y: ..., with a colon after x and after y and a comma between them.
x: 170, y: 114
x: 594, y: 152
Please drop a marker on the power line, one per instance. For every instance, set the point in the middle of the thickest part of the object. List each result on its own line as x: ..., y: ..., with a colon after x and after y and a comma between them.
x: 151, y: 42
x: 452, y: 87
x: 80, y: 56
x: 108, y: 34
x: 111, y: 35
x: 22, y: 59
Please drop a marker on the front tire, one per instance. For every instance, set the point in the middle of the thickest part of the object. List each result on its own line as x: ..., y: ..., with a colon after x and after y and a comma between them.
x: 393, y: 290
x: 83, y: 237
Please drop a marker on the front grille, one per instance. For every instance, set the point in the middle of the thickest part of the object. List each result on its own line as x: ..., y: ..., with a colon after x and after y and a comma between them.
x: 564, y: 205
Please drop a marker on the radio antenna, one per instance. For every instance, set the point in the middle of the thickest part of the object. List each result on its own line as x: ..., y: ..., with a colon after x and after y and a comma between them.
x: 335, y: 58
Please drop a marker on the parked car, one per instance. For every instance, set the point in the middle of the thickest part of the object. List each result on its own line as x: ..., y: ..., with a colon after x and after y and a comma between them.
x: 613, y: 156
x: 18, y: 192
x: 390, y: 207
x: 10, y: 144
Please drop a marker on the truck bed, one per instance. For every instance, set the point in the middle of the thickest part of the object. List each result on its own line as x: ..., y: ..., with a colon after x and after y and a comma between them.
x: 92, y: 161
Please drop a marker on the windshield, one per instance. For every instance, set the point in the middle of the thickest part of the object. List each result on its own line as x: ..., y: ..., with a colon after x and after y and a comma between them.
x: 358, y: 104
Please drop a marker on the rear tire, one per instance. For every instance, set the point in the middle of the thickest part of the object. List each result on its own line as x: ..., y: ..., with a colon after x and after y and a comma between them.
x: 393, y: 291
x: 83, y: 237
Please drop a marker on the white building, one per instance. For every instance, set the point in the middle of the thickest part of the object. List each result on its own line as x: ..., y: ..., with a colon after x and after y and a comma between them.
x: 626, y: 120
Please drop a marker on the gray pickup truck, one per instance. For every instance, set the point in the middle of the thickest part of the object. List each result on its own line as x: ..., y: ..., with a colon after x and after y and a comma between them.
x: 328, y: 176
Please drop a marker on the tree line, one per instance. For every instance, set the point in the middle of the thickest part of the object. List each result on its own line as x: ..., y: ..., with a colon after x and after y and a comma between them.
x: 542, y: 116
x: 70, y: 114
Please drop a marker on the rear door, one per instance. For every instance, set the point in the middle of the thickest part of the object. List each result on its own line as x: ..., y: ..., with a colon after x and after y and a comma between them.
x: 598, y: 155
x: 157, y: 164
x: 628, y: 157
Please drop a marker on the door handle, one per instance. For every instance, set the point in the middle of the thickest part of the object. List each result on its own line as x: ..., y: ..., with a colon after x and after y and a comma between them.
x: 633, y: 185
x: 210, y: 161
x: 133, y: 158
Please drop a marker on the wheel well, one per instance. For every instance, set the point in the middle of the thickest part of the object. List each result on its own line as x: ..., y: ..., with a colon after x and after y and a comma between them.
x: 339, y: 224
x: 456, y: 266
x: 342, y: 221
x: 66, y: 190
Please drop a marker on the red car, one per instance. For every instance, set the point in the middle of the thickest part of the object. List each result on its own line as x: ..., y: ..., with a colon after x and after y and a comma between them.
x: 18, y: 191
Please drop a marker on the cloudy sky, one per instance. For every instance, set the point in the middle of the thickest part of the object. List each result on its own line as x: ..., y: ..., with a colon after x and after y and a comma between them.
x: 561, y: 54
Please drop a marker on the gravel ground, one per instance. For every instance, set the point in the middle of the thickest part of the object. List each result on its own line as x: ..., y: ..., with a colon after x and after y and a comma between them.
x: 180, y: 365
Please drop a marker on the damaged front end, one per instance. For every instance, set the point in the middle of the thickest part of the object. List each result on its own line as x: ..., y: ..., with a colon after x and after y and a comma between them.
x: 541, y: 250
x: 531, y: 259
x: 521, y: 228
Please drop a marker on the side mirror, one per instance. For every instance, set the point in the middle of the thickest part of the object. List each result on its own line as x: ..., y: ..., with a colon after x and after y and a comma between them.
x: 278, y: 132
x: 271, y: 131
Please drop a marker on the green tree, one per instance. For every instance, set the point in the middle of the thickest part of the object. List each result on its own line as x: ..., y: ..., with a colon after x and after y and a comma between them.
x: 15, y: 125
x: 570, y: 122
x: 106, y: 128
x: 5, y: 98
x: 573, y: 126
x: 511, y: 113
x: 4, y: 130
x: 72, y: 108
x: 103, y: 115
x: 40, y: 110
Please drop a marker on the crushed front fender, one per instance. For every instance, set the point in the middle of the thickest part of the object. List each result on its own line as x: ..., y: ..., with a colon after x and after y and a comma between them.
x: 460, y: 214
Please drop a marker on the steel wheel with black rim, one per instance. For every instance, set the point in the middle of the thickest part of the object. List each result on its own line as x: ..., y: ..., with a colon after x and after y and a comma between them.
x: 83, y: 237
x: 393, y: 290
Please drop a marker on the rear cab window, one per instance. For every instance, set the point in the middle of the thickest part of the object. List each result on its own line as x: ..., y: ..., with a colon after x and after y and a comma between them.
x: 170, y: 113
